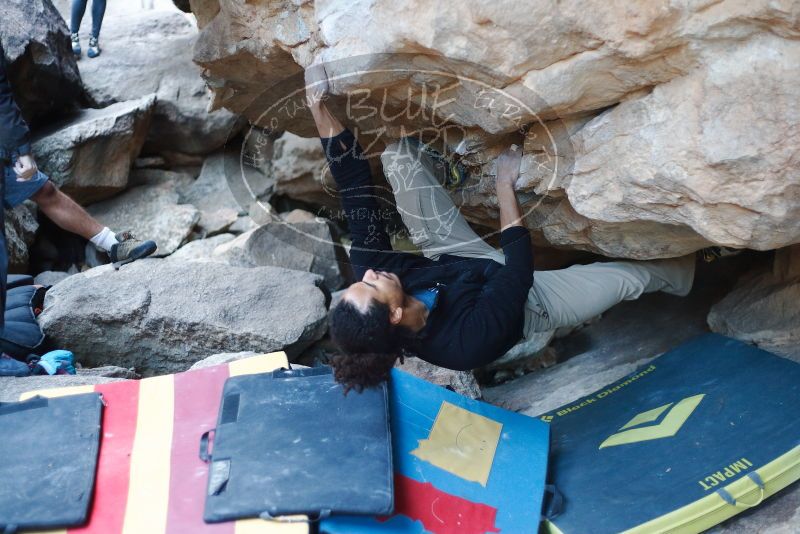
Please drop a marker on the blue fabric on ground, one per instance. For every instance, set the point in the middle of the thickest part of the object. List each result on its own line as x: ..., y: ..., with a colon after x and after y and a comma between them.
x: 746, y: 417
x: 11, y: 367
x: 58, y: 360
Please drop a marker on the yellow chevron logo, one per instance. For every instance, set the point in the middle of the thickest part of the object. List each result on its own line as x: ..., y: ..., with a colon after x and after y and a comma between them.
x: 640, y: 428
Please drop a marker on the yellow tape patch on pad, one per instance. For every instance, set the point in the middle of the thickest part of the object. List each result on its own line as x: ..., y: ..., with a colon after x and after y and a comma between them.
x: 462, y: 443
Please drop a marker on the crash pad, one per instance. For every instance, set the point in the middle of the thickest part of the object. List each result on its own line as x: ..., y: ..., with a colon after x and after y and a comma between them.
x: 150, y: 478
x: 48, y: 455
x: 291, y: 442
x: 699, y: 434
x: 461, y: 466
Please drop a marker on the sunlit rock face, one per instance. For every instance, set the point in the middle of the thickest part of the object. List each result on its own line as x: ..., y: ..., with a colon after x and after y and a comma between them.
x: 651, y: 128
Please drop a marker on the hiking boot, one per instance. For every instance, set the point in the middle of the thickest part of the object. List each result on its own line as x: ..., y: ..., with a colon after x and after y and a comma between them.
x: 94, y: 47
x: 710, y: 254
x: 76, y: 45
x: 129, y: 249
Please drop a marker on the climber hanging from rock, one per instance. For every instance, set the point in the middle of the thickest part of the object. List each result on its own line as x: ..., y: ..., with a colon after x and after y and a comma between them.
x: 461, y: 304
x: 22, y: 180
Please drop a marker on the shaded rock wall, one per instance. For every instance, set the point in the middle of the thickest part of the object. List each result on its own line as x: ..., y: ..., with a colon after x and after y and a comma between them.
x: 41, y: 67
x: 764, y: 307
x: 21, y: 226
x: 651, y: 129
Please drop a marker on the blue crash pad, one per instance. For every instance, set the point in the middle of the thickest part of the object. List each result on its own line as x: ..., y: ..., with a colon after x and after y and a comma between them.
x: 461, y: 465
x: 703, y: 432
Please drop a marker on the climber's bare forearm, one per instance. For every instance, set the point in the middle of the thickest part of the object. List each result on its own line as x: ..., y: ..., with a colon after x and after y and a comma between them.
x: 327, y: 124
x: 508, y: 164
x: 510, y: 212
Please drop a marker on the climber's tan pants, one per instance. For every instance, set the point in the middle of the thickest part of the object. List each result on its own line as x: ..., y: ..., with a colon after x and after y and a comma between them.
x: 565, y: 297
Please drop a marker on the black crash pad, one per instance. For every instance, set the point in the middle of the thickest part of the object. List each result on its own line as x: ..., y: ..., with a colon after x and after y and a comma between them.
x: 290, y: 442
x: 48, y: 459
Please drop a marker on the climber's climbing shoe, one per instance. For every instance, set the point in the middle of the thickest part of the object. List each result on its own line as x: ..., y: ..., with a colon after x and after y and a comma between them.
x: 710, y: 254
x: 130, y: 249
x: 452, y: 174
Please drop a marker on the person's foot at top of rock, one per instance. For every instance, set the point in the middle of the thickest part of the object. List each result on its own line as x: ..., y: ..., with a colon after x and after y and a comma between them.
x: 130, y: 249
x: 94, y: 47
x: 76, y: 44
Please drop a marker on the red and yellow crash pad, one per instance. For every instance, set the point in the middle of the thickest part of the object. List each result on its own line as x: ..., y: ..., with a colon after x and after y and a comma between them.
x: 150, y: 479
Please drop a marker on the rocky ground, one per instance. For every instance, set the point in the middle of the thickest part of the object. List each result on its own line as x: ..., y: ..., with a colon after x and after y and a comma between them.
x: 658, y: 155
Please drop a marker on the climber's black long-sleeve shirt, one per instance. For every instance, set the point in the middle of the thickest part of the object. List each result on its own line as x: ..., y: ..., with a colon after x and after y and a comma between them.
x: 480, y: 311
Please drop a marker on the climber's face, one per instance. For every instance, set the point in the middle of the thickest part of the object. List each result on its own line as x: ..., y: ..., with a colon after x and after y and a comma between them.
x: 380, y: 286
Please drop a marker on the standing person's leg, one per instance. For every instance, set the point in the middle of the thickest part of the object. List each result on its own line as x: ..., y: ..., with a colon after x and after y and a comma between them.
x: 78, y: 8
x: 434, y: 222
x: 568, y: 297
x: 76, y: 15
x: 98, y: 12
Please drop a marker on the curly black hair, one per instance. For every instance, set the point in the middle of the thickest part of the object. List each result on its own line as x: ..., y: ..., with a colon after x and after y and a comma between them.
x: 370, y: 344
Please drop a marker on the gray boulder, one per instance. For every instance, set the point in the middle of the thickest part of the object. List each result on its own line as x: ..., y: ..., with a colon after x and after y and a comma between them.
x: 109, y: 371
x: 211, y: 194
x: 151, y: 212
x: 525, y: 354
x: 41, y: 67
x: 151, y: 52
x: 298, y: 215
x: 243, y: 224
x: 161, y: 317
x: 301, y: 171
x: 182, y: 180
x: 304, y: 246
x: 50, y: 278
x: 200, y: 249
x: 764, y: 307
x: 223, y: 357
x: 462, y: 382
x: 89, y: 155
x: 21, y: 226
x: 234, y: 184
